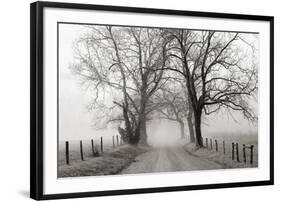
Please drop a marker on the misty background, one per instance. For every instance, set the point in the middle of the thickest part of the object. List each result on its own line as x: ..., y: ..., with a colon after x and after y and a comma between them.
x: 76, y: 122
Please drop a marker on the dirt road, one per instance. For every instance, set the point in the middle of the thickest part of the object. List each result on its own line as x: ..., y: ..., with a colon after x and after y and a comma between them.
x: 168, y: 159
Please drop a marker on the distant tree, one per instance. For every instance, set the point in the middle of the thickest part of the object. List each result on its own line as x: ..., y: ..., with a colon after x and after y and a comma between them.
x: 172, y: 106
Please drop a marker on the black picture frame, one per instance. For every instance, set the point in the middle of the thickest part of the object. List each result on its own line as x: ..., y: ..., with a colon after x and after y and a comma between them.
x: 37, y: 98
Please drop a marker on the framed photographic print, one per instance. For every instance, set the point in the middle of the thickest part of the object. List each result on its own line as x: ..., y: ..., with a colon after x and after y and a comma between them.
x: 135, y: 100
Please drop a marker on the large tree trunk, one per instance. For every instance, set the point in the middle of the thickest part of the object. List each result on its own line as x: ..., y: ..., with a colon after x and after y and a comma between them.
x: 190, y: 127
x: 181, y: 123
x: 142, y: 124
x: 142, y: 130
x: 190, y: 122
x: 130, y: 133
x: 197, y: 116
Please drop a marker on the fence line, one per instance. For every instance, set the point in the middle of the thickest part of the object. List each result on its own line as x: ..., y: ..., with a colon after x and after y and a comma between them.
x: 216, y: 143
x: 244, y: 153
x: 67, y: 152
x: 208, y: 142
x: 223, y: 145
x: 234, y: 149
x: 101, y: 145
x: 81, y: 151
x: 93, y: 148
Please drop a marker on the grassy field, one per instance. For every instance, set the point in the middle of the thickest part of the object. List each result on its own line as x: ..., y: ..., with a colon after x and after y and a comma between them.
x: 74, y: 148
x: 226, y: 159
x: 110, y: 162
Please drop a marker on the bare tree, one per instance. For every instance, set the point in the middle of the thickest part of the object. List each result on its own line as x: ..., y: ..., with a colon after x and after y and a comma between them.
x: 129, y: 65
x: 173, y: 108
x: 217, y: 74
x: 124, y: 60
x: 172, y: 105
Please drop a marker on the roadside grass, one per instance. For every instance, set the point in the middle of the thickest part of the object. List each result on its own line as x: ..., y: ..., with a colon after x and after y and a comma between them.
x: 109, y: 163
x: 226, y: 159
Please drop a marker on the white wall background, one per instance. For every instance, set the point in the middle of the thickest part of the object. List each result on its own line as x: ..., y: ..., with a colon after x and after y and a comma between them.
x: 14, y: 102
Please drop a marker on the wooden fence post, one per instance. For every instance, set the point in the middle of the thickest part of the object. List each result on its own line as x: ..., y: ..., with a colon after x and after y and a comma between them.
x: 81, y: 150
x: 244, y: 153
x: 113, y: 143
x: 211, y: 143
x: 202, y: 141
x: 207, y: 142
x: 101, y: 144
x: 252, y: 153
x: 216, y: 142
x: 117, y: 139
x: 93, y: 147
x: 237, y: 153
x: 223, y: 146
x: 232, y: 150
x: 67, y: 152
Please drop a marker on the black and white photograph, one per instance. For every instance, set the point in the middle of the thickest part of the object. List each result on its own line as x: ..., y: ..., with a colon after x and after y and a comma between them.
x: 139, y: 100
x: 129, y: 100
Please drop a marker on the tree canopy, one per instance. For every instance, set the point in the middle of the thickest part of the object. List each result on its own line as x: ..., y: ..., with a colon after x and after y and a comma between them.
x: 180, y: 74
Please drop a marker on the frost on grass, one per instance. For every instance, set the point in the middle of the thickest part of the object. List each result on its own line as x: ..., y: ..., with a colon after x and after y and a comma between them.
x: 223, y: 159
x: 107, y: 164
